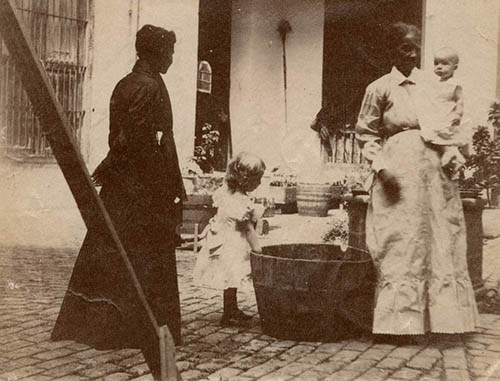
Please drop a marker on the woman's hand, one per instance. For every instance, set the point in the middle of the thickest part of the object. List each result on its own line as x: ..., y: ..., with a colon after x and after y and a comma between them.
x: 324, y: 134
x: 390, y: 184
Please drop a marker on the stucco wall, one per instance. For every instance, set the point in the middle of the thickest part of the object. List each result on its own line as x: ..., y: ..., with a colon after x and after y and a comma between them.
x: 257, y: 88
x: 472, y: 28
x: 36, y: 206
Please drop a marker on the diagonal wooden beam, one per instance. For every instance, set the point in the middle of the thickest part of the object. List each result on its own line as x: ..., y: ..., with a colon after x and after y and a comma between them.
x: 68, y: 156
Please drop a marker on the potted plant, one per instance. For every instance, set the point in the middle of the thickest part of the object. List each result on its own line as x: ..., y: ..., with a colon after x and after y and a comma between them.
x: 483, y: 166
x: 201, y: 181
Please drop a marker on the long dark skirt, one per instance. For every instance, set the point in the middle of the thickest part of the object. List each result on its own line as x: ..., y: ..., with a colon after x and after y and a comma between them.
x: 101, y: 307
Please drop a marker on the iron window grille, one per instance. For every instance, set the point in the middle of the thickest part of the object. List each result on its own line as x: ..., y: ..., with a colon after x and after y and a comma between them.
x: 204, y: 77
x: 58, y: 33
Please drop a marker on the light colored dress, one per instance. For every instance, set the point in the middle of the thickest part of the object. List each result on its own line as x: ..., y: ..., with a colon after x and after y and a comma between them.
x: 224, y: 260
x: 418, y: 244
x: 439, y: 109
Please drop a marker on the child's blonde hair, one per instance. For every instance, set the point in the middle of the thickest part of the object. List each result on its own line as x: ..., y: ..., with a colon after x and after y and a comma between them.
x: 243, y: 170
x: 447, y: 52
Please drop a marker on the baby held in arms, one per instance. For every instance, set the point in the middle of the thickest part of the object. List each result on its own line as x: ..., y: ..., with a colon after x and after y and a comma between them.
x: 443, y: 125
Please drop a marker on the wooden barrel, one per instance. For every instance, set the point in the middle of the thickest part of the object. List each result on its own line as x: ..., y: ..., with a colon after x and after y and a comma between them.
x: 313, y: 292
x: 313, y: 199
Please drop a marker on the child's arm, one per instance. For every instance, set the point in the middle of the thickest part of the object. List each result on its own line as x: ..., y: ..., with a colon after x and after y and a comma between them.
x: 252, y: 238
x: 459, y: 104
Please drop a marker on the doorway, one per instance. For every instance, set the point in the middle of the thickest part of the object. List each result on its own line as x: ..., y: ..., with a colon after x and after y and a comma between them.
x: 353, y: 57
x: 214, y: 60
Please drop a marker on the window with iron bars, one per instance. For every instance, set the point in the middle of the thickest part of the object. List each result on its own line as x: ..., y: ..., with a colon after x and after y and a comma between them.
x: 58, y: 32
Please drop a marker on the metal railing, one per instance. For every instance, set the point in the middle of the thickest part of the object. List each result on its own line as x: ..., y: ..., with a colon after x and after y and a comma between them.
x: 345, y: 148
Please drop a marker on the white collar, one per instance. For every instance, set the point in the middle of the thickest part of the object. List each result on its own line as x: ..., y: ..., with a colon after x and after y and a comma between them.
x: 399, y: 79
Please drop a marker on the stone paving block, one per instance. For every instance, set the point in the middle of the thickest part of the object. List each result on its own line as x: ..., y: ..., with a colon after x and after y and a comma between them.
x: 406, y: 374
x: 265, y: 368
x: 342, y: 375
x: 207, y: 330
x: 197, y: 324
x: 70, y: 378
x: 65, y: 370
x: 360, y: 365
x: 455, y: 362
x: 315, y: 357
x: 375, y: 374
x: 311, y: 375
x: 147, y: 377
x: 457, y: 375
x: 241, y: 378
x: 224, y: 374
x: 38, y: 377
x: 184, y: 365
x: 192, y: 374
x: 18, y: 363
x: 482, y: 353
x: 41, y: 337
x: 244, y: 337
x: 391, y: 363
x: 50, y: 355
x: 118, y: 377
x: 57, y: 344
x: 8, y: 331
x: 77, y: 346
x: 249, y: 362
x: 374, y: 354
x: 484, y: 339
x: 359, y: 346
x: 276, y: 376
x: 431, y: 352
x: 330, y: 347
x: 387, y: 347
x: 457, y: 351
x: 57, y: 362
x: 131, y: 361
x: 8, y: 338
x: 271, y: 351
x: 100, y: 371
x: 212, y: 365
x: 345, y: 356
x: 329, y: 366
x: 215, y: 338
x: 23, y: 352
x: 111, y: 357
x: 21, y: 373
x: 233, y: 357
x: 420, y: 362
x: 254, y: 345
x: 138, y: 370
x: 12, y: 346
x: 404, y: 352
x: 295, y: 368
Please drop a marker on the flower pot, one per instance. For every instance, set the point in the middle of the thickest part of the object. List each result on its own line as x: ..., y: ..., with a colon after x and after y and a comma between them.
x: 285, y: 198
x: 469, y: 193
x: 313, y: 199
x: 473, y: 212
x: 336, y: 197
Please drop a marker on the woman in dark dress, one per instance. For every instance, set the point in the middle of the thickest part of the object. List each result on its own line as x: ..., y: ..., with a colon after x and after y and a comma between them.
x: 142, y: 190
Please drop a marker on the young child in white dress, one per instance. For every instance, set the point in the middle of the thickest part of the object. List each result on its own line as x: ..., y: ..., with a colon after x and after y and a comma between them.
x: 224, y: 261
x: 443, y: 126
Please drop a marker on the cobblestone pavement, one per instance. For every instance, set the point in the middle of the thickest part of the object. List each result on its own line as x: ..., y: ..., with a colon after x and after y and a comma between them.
x: 34, y: 282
